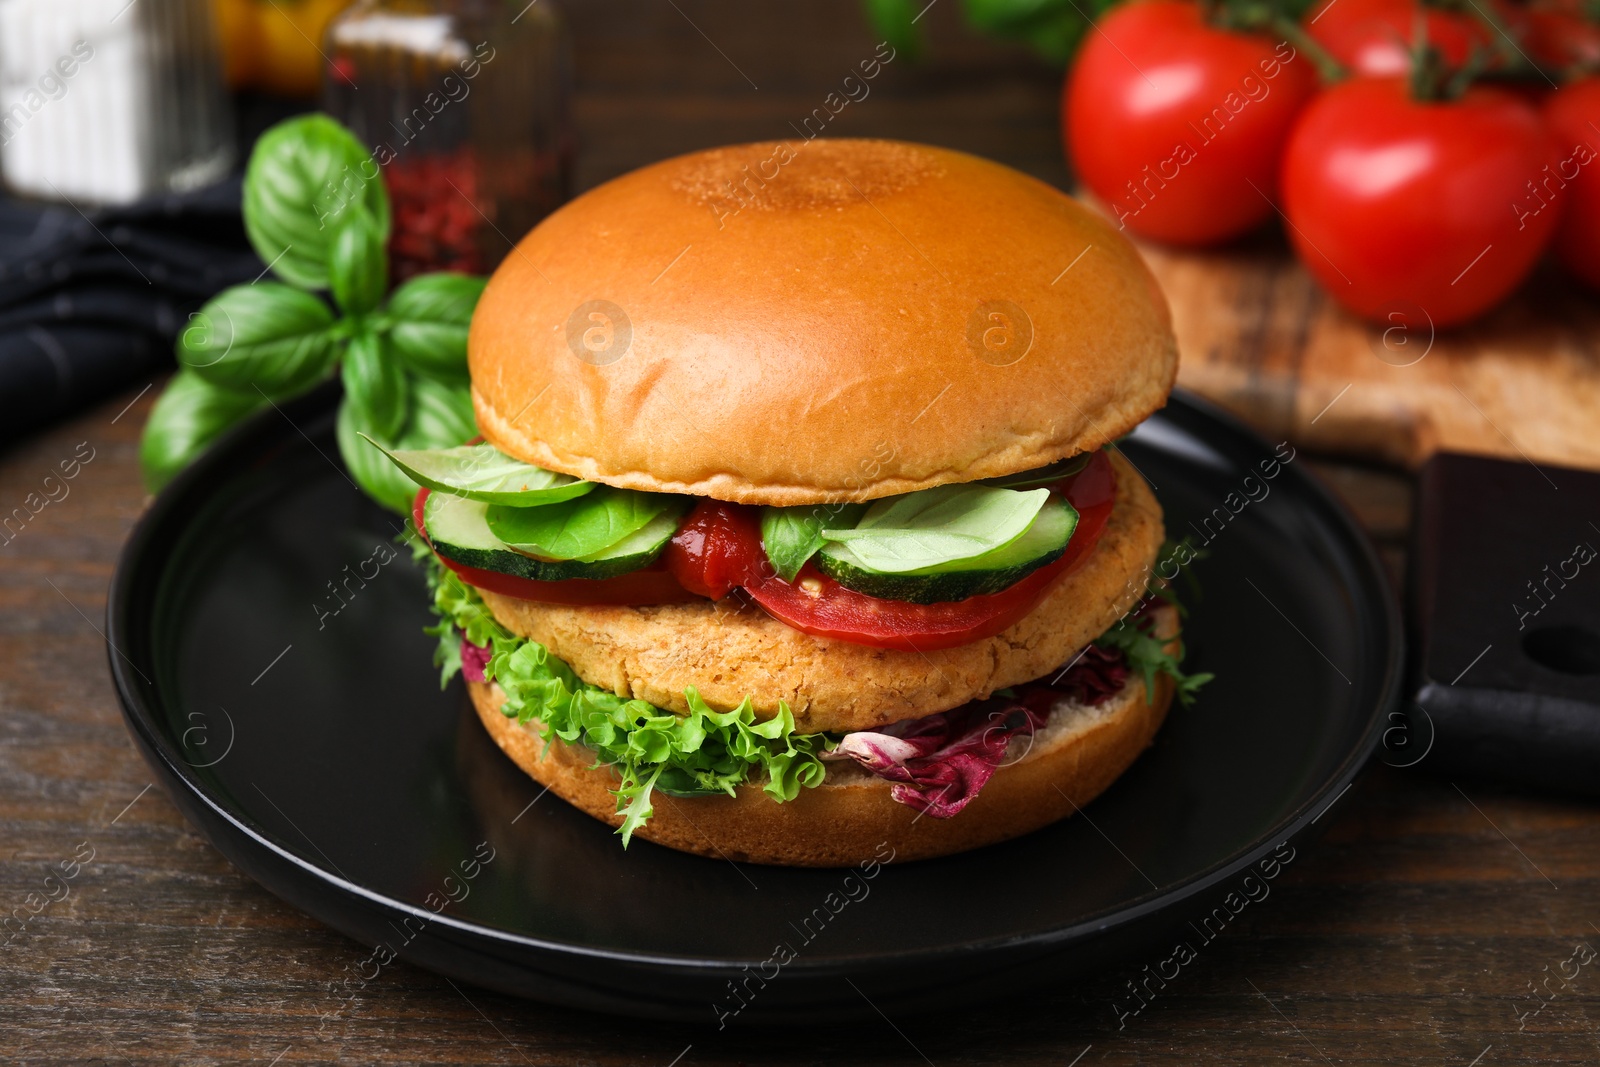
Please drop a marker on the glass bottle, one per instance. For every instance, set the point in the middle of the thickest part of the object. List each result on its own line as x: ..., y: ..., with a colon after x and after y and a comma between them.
x: 465, y: 105
x: 106, y: 101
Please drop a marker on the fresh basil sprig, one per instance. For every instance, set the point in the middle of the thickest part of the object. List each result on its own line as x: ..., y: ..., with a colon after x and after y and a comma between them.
x: 316, y: 212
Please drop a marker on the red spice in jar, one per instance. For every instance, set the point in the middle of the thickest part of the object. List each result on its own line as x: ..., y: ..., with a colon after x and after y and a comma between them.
x: 437, y: 217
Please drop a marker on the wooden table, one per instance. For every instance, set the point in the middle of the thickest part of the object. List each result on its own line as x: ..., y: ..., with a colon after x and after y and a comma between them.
x: 1409, y: 935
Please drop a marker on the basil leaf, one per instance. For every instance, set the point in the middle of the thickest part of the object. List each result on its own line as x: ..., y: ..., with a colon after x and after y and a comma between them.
x: 428, y: 318
x: 266, y: 336
x: 581, y: 528
x: 441, y: 415
x: 483, y: 472
x: 377, y: 477
x: 358, y: 268
x: 376, y: 384
x: 934, y: 526
x: 305, y: 176
x: 187, y: 417
x: 791, y: 536
x: 1047, y: 475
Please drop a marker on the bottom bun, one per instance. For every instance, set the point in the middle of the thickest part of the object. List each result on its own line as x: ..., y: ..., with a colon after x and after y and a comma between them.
x: 850, y: 819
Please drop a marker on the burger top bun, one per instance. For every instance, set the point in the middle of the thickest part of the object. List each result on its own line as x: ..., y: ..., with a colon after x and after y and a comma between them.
x: 809, y: 321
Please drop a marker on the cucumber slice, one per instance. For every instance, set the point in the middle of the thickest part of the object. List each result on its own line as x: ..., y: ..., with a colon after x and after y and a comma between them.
x: 458, y: 528
x: 483, y: 472
x: 1041, y: 543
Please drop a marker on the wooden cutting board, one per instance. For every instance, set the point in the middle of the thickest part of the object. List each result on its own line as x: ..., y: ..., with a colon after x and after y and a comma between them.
x: 1260, y: 338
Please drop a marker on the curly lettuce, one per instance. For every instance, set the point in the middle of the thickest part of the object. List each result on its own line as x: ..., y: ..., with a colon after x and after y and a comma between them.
x: 703, y: 753
x: 1149, y: 656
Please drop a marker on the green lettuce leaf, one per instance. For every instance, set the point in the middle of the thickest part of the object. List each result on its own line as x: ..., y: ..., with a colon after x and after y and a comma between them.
x: 703, y: 753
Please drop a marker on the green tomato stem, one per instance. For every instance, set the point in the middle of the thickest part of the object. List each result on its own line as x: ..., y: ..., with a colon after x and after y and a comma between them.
x: 1329, y: 69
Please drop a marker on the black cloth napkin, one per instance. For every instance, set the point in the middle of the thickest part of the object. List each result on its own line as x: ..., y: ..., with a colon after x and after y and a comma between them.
x: 91, y: 303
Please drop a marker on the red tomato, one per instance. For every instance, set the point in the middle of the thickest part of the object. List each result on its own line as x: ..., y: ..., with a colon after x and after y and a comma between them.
x: 1396, y: 204
x: 1374, y: 38
x: 1574, y: 117
x: 1178, y: 127
x: 652, y: 585
x: 1562, y: 35
x: 817, y: 605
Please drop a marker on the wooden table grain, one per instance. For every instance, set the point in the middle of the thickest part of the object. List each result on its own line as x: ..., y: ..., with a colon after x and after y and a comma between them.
x: 1431, y: 925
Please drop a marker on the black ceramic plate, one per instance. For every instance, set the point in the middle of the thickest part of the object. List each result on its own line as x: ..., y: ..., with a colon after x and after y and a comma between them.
x: 315, y: 749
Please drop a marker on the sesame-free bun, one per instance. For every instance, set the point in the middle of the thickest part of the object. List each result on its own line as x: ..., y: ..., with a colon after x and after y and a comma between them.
x: 804, y: 321
x: 850, y: 817
x: 731, y: 649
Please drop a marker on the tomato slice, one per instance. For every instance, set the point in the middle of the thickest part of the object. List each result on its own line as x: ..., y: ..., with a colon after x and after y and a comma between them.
x: 818, y: 605
x: 650, y: 585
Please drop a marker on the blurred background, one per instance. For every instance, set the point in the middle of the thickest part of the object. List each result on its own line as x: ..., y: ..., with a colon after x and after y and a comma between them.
x: 1359, y: 317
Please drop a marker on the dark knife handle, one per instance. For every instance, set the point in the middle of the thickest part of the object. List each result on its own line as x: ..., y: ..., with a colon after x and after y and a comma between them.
x: 1504, y: 591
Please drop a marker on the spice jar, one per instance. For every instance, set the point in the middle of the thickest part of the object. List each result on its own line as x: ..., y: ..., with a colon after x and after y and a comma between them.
x: 465, y: 105
x: 105, y: 101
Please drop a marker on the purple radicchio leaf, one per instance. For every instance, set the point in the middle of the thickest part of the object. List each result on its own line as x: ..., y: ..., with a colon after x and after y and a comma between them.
x: 939, y: 763
x: 474, y: 658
